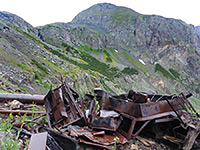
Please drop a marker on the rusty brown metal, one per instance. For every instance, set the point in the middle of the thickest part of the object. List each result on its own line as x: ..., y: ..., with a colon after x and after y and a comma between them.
x: 130, y: 131
x: 158, y: 97
x: 110, y: 124
x: 98, y: 132
x: 166, y: 119
x: 64, y: 140
x: 188, y: 117
x: 139, y: 109
x: 108, y: 147
x: 137, y: 97
x: 103, y: 139
x: 103, y: 98
x: 24, y: 98
x: 188, y: 104
x: 62, y: 108
x: 102, y: 119
x: 72, y: 94
x: 107, y: 120
x: 142, y: 127
x: 126, y: 113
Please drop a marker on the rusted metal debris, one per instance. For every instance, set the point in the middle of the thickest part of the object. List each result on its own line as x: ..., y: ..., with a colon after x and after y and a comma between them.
x: 106, y: 119
x: 105, y: 113
x: 62, y: 107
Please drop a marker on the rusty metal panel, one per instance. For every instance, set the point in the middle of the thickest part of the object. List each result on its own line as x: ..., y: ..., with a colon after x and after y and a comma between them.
x: 137, y: 97
x: 104, y: 139
x: 149, y: 109
x: 108, y: 120
x: 64, y: 141
x: 109, y: 113
x: 110, y: 124
x: 103, y: 98
x: 178, y: 104
x: 58, y: 105
x: 125, y: 106
x: 62, y: 109
x: 140, y: 109
x: 122, y: 140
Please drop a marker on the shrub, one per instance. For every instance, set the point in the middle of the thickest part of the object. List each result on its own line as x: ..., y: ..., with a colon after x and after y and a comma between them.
x: 42, y: 68
x: 175, y: 73
x: 108, y: 59
x: 130, y: 71
x: 197, y: 90
x: 68, y: 47
x: 38, y: 76
x: 46, y: 85
x: 24, y: 66
x: 159, y: 68
x: 89, y: 49
x: 92, y: 63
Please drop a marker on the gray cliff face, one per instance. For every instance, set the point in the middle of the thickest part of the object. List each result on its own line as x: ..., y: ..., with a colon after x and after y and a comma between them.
x: 125, y: 27
x: 197, y: 29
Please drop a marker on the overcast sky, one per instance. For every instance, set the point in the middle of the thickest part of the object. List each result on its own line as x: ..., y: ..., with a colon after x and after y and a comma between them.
x: 41, y: 12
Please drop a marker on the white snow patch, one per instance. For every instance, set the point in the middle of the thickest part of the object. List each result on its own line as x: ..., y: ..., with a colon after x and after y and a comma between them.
x: 142, y: 61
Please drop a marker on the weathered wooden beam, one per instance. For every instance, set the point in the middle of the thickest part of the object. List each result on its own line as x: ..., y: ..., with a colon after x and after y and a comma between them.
x: 23, y: 98
x: 190, y: 138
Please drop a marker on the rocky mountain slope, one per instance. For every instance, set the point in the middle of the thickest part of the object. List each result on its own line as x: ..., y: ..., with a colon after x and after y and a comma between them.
x: 152, y: 42
x: 29, y: 65
x: 105, y: 46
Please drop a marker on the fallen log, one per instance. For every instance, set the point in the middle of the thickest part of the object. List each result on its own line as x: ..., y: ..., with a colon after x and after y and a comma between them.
x: 21, y: 112
x: 23, y: 98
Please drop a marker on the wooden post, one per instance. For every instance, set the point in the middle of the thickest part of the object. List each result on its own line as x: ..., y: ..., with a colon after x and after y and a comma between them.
x: 190, y: 139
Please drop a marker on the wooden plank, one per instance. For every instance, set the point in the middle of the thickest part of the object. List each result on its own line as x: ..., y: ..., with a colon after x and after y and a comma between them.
x: 190, y: 139
x: 38, y: 141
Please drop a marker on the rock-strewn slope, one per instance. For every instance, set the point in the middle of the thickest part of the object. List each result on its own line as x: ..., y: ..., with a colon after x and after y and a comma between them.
x: 27, y: 64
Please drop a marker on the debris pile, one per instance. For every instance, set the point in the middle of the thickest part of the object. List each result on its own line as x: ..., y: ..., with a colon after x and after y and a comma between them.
x: 108, y: 121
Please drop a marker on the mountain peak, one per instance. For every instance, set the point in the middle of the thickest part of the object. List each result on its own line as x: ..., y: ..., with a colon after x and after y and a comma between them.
x: 15, y: 20
x: 103, y: 6
x: 101, y: 16
x: 101, y: 11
